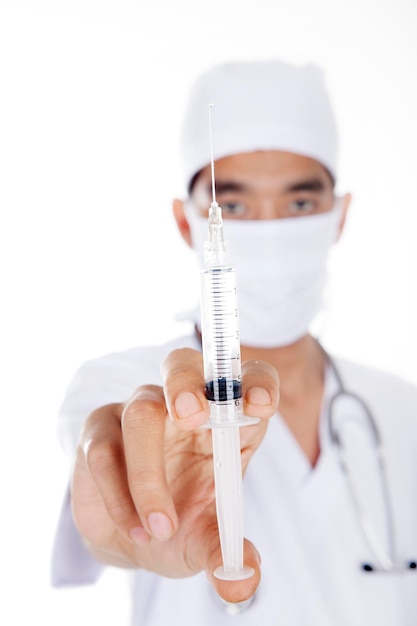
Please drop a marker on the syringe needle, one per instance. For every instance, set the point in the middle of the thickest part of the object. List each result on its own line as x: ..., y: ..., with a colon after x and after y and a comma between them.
x: 213, y: 185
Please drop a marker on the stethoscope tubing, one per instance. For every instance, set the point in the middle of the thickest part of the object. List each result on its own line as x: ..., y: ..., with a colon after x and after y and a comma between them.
x: 386, y: 559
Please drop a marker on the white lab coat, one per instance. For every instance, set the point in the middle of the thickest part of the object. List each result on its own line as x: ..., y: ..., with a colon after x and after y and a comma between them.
x: 301, y: 520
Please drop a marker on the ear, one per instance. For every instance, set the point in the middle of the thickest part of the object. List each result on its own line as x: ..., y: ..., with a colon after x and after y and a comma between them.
x: 345, y: 200
x: 178, y: 209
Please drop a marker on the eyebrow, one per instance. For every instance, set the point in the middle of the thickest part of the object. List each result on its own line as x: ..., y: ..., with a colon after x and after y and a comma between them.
x: 309, y: 184
x: 227, y: 186
x: 231, y: 186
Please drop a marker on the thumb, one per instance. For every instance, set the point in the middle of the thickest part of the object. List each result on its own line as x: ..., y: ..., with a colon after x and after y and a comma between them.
x: 235, y: 590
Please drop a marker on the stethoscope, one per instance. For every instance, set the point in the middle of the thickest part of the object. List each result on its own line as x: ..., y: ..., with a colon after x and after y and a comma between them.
x: 385, y: 558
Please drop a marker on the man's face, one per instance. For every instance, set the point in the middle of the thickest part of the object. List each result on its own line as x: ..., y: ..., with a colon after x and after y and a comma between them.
x: 265, y: 185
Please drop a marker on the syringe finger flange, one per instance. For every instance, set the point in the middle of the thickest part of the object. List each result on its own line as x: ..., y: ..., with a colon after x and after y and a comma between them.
x: 243, y: 421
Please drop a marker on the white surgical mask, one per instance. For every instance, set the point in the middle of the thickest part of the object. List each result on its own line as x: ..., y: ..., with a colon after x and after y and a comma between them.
x: 281, y: 272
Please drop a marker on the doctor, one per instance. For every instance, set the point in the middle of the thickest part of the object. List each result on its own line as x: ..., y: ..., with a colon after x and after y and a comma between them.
x: 331, y: 531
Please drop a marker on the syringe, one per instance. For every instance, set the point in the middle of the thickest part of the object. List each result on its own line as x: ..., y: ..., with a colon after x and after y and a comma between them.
x: 222, y: 372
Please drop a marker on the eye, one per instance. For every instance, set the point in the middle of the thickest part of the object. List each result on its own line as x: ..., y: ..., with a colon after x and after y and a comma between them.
x: 233, y: 209
x: 301, y: 207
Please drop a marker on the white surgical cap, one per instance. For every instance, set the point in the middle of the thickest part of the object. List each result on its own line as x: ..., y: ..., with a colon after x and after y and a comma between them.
x: 259, y: 105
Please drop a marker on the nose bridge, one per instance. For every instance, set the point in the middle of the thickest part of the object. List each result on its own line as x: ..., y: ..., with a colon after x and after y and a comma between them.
x: 267, y: 206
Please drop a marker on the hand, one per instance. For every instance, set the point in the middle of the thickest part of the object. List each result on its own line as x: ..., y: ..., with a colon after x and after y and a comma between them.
x: 143, y: 485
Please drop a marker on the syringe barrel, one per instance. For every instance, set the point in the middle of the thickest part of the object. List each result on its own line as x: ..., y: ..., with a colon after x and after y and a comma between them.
x: 221, y: 346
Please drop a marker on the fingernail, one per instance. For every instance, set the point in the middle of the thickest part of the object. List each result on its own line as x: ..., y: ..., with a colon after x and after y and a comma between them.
x: 258, y: 395
x: 139, y: 536
x: 160, y: 525
x: 187, y: 404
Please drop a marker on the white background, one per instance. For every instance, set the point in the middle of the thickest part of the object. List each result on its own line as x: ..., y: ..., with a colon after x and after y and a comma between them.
x: 91, y: 97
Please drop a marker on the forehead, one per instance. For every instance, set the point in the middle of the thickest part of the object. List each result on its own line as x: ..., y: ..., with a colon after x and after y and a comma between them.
x: 264, y: 169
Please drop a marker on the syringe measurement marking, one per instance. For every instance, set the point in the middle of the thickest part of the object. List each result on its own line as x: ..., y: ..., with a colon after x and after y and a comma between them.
x: 223, y: 324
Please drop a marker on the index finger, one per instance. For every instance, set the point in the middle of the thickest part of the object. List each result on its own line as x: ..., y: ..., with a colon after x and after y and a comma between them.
x: 183, y: 378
